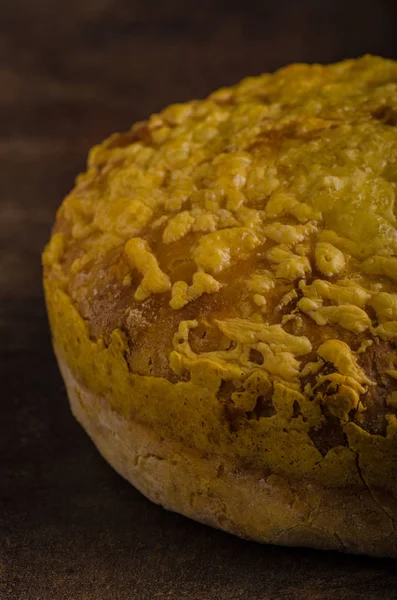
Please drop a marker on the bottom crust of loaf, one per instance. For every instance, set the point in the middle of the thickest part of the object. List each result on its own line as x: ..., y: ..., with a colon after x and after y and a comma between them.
x: 215, y: 491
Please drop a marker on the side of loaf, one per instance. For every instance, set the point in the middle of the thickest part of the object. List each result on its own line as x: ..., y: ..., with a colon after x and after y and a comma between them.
x: 221, y: 288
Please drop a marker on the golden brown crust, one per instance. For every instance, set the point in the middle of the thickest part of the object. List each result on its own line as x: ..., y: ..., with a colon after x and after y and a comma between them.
x: 212, y: 490
x: 225, y: 275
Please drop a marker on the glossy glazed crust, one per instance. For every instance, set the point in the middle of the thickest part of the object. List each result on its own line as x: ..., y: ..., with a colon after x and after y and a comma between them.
x: 214, y: 490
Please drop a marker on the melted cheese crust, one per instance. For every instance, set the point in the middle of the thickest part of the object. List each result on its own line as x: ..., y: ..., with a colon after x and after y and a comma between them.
x: 234, y: 260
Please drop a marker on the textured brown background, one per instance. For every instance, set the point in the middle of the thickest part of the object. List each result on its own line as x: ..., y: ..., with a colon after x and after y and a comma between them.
x: 71, y: 73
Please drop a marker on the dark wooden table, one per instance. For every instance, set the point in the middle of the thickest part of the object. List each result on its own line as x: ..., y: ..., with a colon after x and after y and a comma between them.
x: 71, y: 73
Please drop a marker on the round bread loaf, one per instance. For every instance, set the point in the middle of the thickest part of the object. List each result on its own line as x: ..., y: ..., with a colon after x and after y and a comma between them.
x: 221, y: 287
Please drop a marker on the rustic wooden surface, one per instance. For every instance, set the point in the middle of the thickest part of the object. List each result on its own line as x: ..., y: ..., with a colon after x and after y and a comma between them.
x: 71, y: 73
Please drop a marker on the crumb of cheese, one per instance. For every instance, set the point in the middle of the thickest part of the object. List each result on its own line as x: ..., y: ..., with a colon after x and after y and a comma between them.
x: 138, y: 256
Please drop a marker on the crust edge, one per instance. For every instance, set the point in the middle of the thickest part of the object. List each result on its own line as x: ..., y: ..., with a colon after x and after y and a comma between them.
x: 215, y: 491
